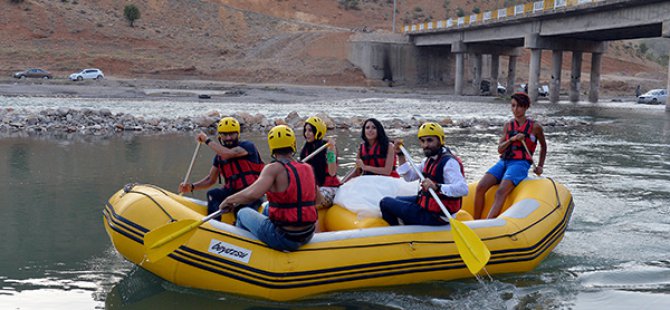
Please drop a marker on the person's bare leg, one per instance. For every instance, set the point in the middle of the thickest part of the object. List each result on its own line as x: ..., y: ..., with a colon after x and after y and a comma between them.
x: 506, y: 187
x: 487, y: 181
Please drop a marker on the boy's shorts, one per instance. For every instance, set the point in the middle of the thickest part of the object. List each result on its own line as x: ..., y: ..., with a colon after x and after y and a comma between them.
x: 514, y: 170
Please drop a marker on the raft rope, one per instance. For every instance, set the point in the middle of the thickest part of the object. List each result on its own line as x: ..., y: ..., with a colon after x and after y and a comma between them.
x: 558, y: 206
x: 129, y: 189
x: 480, y: 277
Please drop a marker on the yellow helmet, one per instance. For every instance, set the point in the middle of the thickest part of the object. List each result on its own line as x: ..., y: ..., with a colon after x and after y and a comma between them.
x: 320, y: 126
x: 280, y: 137
x: 229, y: 124
x: 431, y: 129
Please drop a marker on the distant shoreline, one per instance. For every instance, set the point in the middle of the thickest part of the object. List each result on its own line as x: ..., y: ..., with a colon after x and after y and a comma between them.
x: 191, y: 89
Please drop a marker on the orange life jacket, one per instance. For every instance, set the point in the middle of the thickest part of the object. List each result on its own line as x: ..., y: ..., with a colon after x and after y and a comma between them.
x: 296, y: 205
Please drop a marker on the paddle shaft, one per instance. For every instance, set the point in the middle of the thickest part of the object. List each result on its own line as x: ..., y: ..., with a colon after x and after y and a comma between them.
x: 408, y: 158
x: 317, y: 151
x: 348, y: 175
x: 190, y: 166
x: 529, y: 155
x: 186, y: 229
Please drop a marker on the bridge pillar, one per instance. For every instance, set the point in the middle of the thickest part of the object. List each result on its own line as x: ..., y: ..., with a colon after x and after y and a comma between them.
x: 534, y: 73
x: 458, y: 83
x: 511, y: 74
x: 555, y: 87
x: 495, y: 69
x: 666, y: 34
x: 596, y: 60
x: 575, y: 76
x: 477, y: 76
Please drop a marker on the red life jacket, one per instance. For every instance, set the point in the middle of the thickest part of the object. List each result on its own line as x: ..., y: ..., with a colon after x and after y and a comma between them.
x: 374, y: 157
x: 434, y: 170
x: 296, y: 205
x: 240, y: 172
x: 516, y: 149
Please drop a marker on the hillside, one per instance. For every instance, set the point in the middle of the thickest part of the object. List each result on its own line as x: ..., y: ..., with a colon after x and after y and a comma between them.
x: 287, y: 41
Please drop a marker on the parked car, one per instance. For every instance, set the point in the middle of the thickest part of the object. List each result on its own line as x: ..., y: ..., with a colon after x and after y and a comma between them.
x: 33, y: 73
x: 542, y: 90
x: 654, y: 96
x: 485, y: 88
x: 92, y: 73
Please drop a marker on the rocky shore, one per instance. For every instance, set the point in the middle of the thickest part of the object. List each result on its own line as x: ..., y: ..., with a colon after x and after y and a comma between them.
x: 103, y: 122
x: 272, y: 102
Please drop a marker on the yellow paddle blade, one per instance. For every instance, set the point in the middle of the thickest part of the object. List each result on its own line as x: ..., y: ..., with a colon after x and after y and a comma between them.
x: 163, y: 240
x: 473, y: 251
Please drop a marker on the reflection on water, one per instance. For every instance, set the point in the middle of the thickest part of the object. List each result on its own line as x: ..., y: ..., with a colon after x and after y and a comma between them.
x: 56, y: 254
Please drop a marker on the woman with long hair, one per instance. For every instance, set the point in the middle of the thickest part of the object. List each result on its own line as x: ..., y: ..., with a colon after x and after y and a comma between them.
x: 375, y: 155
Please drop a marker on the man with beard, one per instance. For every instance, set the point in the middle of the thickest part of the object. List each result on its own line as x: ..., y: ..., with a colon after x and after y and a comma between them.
x: 443, y: 173
x: 237, y: 162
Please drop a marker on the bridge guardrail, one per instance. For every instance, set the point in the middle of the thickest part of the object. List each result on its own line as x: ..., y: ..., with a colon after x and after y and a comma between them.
x: 516, y: 11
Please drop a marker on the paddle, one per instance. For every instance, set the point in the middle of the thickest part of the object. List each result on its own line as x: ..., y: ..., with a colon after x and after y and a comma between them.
x: 530, y: 155
x: 473, y: 251
x: 163, y: 240
x: 349, y: 174
x: 188, y: 172
x: 317, y: 151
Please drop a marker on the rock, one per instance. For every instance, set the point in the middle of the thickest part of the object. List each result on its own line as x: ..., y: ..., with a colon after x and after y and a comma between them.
x: 293, y: 119
x: 204, y: 121
x: 62, y: 112
x: 446, y: 122
x: 214, y: 113
x: 105, y: 112
x: 31, y: 120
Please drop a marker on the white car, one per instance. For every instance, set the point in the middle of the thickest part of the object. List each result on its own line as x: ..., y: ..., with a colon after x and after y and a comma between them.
x: 654, y: 96
x: 93, y: 74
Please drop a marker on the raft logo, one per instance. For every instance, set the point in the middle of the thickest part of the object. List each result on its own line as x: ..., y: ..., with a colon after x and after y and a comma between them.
x: 230, y: 251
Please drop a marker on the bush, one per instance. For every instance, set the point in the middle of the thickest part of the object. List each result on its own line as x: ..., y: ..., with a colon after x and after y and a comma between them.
x: 349, y: 4
x: 460, y: 12
x: 15, y: 1
x: 132, y: 13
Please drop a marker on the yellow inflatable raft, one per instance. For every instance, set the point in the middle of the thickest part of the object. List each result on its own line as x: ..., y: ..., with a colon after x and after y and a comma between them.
x: 222, y: 257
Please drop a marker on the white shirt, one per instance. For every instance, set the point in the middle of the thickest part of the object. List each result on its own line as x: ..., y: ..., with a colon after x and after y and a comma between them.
x: 454, y: 182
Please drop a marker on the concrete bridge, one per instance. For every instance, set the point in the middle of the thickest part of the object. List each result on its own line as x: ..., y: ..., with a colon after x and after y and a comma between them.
x: 575, y: 26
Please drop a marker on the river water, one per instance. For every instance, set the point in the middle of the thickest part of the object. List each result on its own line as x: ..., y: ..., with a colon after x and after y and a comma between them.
x: 55, y: 253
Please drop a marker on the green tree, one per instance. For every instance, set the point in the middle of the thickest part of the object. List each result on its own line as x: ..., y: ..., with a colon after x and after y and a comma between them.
x: 132, y: 13
x: 476, y: 10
